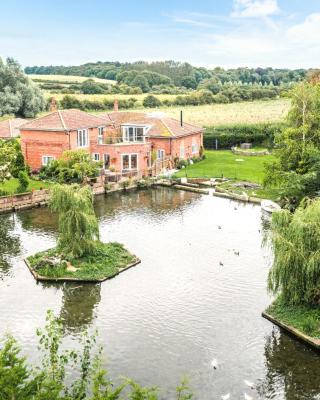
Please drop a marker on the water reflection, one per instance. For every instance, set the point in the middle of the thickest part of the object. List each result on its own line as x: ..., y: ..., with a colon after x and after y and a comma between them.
x: 78, y: 306
x: 9, y: 243
x: 179, y: 309
x: 285, y: 377
x: 39, y: 219
x: 160, y: 201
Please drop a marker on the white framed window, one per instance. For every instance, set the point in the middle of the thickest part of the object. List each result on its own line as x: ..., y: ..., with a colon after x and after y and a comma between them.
x: 194, y: 148
x: 83, y: 138
x: 181, y: 150
x: 129, y: 162
x: 96, y: 157
x: 133, y: 134
x: 47, y: 159
x: 160, y: 154
x: 100, y: 134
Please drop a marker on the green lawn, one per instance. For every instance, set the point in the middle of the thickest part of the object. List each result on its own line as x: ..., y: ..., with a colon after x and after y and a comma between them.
x: 11, y: 186
x: 222, y: 163
x: 304, y: 318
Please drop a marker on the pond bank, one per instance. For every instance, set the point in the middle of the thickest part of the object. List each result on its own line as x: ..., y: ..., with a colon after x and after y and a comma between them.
x: 297, y: 334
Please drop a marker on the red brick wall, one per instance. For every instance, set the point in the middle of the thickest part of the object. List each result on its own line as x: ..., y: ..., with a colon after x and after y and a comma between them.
x: 172, y: 146
x: 36, y: 144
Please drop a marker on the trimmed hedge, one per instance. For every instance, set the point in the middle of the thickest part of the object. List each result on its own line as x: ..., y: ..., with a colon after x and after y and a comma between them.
x: 233, y: 135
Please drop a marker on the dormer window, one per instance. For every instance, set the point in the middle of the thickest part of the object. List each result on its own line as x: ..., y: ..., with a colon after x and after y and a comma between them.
x: 133, y: 134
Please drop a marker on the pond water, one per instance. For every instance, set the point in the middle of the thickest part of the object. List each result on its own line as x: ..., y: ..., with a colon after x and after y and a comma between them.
x: 196, y: 297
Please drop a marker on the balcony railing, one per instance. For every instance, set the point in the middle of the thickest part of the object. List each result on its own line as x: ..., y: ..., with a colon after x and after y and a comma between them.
x: 119, y: 139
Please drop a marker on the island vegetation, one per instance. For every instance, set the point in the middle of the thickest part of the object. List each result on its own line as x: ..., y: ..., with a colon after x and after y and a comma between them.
x: 79, y: 254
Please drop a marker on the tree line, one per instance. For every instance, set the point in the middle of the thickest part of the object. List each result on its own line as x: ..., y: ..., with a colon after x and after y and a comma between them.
x: 147, y: 75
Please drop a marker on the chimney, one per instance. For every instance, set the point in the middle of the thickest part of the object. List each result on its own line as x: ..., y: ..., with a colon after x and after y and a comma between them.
x: 116, y: 105
x: 53, y: 105
x: 181, y: 118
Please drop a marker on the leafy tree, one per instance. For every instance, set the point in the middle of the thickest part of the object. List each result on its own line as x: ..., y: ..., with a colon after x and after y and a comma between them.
x: 141, y: 82
x: 151, y: 101
x: 296, y: 168
x: 8, y: 157
x: 295, y: 238
x: 78, y: 225
x: 189, y: 82
x: 91, y: 87
x: 18, y: 94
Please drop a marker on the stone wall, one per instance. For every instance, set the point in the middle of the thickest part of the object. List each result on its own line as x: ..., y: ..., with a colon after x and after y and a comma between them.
x: 21, y: 201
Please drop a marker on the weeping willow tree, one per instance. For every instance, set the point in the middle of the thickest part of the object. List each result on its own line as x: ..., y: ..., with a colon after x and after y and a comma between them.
x: 78, y: 225
x: 295, y: 239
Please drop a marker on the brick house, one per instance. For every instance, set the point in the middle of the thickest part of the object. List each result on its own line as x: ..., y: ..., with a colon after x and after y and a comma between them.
x: 123, y: 141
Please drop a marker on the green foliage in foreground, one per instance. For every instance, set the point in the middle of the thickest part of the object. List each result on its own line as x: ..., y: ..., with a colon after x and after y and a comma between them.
x: 302, y: 317
x: 78, y: 225
x: 223, y: 163
x: 295, y: 239
x: 66, y: 374
x: 104, y: 262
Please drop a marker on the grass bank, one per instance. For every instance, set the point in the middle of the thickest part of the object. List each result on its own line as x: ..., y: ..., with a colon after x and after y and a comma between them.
x: 304, y: 318
x: 107, y: 261
x: 223, y: 163
x: 11, y: 186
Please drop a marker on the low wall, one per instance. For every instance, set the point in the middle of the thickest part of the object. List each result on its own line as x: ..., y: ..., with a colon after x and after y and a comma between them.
x: 21, y: 201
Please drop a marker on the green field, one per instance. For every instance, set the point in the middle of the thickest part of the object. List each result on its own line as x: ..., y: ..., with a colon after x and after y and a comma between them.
x: 11, y: 186
x: 232, y: 113
x: 223, y: 163
x: 67, y: 78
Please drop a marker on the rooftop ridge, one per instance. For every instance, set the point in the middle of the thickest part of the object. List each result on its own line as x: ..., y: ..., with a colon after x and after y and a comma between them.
x: 62, y: 121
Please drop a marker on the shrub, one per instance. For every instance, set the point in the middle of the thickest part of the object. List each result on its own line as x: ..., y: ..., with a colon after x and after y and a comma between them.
x: 232, y: 135
x: 151, y: 101
x: 23, y: 181
x: 74, y: 166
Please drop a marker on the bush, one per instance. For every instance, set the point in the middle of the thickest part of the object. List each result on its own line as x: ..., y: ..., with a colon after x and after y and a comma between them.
x: 73, y: 167
x: 151, y: 101
x: 23, y: 181
x: 232, y: 135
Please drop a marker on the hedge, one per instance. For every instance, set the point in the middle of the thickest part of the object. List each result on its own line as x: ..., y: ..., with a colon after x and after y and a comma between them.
x: 232, y: 135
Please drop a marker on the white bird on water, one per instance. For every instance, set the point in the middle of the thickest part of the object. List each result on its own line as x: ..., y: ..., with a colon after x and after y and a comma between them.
x: 225, y: 396
x: 247, y: 397
x: 214, y: 363
x: 248, y: 383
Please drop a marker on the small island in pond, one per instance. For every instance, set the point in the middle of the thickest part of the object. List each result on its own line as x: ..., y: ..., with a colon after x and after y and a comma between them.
x: 79, y: 254
x: 107, y: 261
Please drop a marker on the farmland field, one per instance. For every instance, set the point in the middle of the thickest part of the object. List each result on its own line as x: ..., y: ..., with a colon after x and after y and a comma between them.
x: 67, y: 78
x: 232, y: 113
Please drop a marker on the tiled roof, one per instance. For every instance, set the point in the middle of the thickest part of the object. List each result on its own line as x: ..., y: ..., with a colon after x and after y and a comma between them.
x: 66, y: 120
x: 10, y: 127
x: 160, y: 124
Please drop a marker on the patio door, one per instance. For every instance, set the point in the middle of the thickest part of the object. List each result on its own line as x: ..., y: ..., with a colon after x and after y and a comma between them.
x: 106, y: 161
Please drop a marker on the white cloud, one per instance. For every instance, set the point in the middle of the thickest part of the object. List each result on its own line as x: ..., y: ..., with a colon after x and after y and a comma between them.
x: 254, y: 8
x: 308, y: 32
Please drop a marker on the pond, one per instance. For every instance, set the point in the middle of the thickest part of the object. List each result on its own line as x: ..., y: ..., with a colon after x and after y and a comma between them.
x: 196, y: 297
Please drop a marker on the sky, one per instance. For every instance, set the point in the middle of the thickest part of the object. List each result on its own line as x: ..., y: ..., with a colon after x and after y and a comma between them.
x: 209, y: 33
